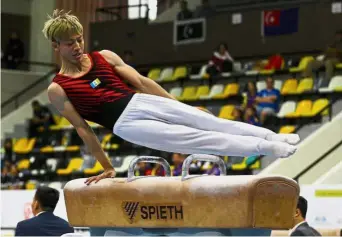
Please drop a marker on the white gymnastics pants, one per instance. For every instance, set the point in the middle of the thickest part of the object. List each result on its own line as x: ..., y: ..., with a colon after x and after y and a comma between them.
x: 168, y: 125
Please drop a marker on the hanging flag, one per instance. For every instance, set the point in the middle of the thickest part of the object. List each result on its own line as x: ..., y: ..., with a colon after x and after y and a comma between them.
x: 279, y: 22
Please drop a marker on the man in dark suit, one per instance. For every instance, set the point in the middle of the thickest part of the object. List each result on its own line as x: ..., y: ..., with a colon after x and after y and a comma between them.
x: 301, y: 227
x: 45, y: 223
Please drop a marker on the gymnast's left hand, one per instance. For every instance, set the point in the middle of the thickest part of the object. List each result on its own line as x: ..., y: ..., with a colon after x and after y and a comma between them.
x: 107, y: 173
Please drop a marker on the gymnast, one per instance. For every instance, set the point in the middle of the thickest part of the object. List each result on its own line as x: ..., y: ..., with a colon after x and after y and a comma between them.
x: 91, y: 86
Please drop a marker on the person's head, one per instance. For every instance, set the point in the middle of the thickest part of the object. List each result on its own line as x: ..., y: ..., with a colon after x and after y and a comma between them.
x: 36, y: 105
x: 8, y: 144
x: 237, y: 114
x: 178, y: 158
x: 251, y: 88
x: 250, y: 112
x: 45, y: 199
x: 66, y: 34
x: 222, y: 48
x: 302, y: 207
x: 183, y: 4
x: 269, y: 83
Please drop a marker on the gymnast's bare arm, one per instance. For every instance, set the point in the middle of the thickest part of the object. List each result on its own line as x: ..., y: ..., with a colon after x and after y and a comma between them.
x: 143, y: 84
x: 60, y: 101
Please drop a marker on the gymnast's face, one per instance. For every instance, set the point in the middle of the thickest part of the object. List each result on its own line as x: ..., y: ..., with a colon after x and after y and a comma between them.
x: 71, y: 49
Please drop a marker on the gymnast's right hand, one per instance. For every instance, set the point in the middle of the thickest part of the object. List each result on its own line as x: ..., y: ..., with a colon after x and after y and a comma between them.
x: 107, y: 173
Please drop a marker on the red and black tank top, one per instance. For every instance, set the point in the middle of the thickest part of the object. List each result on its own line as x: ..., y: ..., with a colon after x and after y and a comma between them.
x: 100, y: 95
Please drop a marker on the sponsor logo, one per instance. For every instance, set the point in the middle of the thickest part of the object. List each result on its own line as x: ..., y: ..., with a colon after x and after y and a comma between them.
x: 135, y: 211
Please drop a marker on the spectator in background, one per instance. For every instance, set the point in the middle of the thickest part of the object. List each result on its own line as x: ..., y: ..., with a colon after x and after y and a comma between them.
x: 9, y: 155
x: 251, y: 117
x: 204, y: 10
x: 251, y: 94
x: 144, y: 169
x: 14, y: 52
x: 42, y: 116
x: 177, y: 160
x: 214, y: 170
x: 44, y: 222
x: 184, y: 13
x: 237, y: 113
x: 267, y: 100
x: 331, y: 57
x: 301, y: 227
x: 221, y: 61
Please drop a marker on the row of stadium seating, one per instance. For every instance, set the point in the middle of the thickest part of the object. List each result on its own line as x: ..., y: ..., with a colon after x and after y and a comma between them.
x: 169, y: 74
x: 220, y: 91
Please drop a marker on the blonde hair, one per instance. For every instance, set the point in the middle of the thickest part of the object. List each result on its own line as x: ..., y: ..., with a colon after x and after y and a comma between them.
x: 61, y: 25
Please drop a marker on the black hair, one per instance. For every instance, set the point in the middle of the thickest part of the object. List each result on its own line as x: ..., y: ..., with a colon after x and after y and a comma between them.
x: 302, y: 205
x: 47, y: 198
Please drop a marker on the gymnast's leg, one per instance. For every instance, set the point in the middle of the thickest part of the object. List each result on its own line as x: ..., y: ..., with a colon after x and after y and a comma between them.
x: 171, y: 111
x: 187, y: 140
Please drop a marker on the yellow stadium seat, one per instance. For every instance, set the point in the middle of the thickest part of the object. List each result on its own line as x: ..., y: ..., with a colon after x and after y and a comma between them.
x: 202, y: 91
x: 229, y: 90
x: 74, y: 164
x: 243, y: 165
x: 289, y: 87
x: 287, y: 129
x: 302, y: 64
x: 339, y: 65
x: 24, y: 145
x: 226, y: 112
x: 189, y: 93
x: 23, y: 164
x: 63, y: 122
x: 57, y: 118
x: 72, y: 148
x: 105, y: 140
x: 96, y: 169
x: 319, y: 105
x: 46, y: 149
x: 305, y: 85
x: 179, y: 73
x: 30, y: 185
x: 154, y: 74
x: 303, y: 109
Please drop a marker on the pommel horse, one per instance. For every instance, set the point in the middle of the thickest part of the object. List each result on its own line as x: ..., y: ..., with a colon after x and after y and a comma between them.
x: 184, y: 205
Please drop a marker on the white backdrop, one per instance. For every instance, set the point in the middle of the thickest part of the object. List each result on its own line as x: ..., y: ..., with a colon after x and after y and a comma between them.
x: 16, y: 206
x: 324, y: 205
x: 324, y: 211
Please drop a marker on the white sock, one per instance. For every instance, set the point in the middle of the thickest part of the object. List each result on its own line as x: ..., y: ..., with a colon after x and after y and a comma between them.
x: 288, y: 138
x: 276, y: 149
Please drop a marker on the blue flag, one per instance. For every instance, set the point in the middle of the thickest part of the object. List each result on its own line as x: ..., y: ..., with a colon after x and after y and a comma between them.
x: 280, y: 22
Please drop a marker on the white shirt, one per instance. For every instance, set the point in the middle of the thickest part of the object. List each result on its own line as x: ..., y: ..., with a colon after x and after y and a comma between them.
x: 40, y: 213
x: 295, y: 227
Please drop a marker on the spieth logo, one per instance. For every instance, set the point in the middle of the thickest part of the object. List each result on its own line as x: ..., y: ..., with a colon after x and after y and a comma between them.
x: 27, y: 210
x: 135, y: 211
x: 130, y: 209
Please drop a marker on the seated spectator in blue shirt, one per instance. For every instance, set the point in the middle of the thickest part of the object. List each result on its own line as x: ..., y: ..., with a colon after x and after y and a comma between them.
x: 267, y: 100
